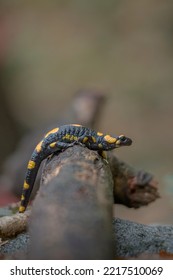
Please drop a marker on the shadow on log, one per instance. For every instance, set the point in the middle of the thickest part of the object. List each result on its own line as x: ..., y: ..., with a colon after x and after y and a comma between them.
x: 72, y: 213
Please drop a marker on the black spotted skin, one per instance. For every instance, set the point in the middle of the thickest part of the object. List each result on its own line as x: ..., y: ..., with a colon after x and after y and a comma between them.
x: 61, y: 138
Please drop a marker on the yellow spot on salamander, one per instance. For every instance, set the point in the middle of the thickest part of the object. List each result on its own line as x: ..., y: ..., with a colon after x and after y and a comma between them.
x: 99, y: 133
x: 85, y: 139
x: 118, y: 142
x: 94, y: 139
x: 25, y: 185
x: 73, y: 138
x: 66, y: 136
x: 104, y: 154
x: 74, y: 124
x: 70, y: 137
x: 100, y: 145
x: 52, y: 131
x: 52, y: 145
x: 31, y: 164
x: 38, y: 147
x: 110, y: 139
x: 22, y: 197
x: 21, y: 209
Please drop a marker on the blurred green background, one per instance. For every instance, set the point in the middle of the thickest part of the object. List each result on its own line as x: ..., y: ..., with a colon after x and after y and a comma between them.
x: 49, y: 49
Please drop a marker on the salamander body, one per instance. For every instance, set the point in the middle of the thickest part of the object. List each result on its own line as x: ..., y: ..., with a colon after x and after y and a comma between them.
x: 61, y: 138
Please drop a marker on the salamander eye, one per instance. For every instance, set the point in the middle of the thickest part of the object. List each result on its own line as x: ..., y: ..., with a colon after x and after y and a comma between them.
x: 122, y: 138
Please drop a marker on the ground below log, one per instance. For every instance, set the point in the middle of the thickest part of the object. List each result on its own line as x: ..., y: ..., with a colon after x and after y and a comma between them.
x: 132, y: 240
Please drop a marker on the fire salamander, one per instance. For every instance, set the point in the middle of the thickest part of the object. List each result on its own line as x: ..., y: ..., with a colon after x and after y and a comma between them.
x: 61, y: 138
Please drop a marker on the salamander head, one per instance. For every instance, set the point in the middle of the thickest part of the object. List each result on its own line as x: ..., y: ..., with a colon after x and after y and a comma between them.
x: 110, y: 142
x: 122, y: 140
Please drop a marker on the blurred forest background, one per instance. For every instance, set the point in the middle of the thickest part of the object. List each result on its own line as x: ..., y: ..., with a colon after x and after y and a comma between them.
x: 50, y: 49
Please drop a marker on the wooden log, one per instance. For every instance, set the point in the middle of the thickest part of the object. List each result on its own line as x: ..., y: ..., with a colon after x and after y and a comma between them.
x: 72, y: 213
x: 10, y: 226
x: 132, y: 187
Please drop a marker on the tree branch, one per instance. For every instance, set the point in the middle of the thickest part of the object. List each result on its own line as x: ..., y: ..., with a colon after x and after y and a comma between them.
x: 133, y: 188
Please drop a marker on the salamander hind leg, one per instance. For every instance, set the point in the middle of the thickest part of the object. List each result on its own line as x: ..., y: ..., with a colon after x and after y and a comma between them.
x: 103, y: 154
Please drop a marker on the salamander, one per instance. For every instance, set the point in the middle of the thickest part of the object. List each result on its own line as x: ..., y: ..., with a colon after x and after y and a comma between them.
x: 59, y: 139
